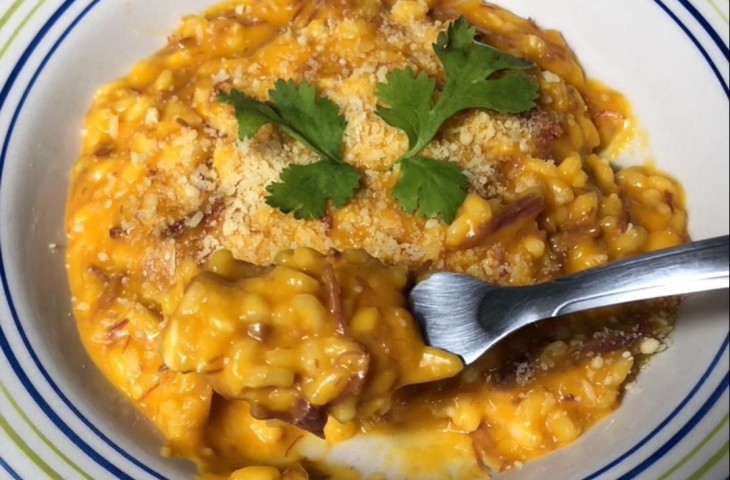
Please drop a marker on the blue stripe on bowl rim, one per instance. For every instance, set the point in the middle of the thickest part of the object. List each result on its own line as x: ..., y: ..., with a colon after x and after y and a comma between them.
x: 686, y: 428
x: 710, y: 31
x: 706, y: 27
x: 677, y: 437
x: 5, y: 466
x: 4, y: 344
x: 111, y: 468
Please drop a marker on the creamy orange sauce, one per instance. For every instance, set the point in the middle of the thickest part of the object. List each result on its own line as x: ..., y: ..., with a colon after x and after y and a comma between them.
x: 166, y: 207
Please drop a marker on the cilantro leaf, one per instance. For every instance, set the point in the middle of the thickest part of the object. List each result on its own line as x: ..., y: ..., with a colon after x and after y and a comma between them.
x: 315, y: 122
x: 250, y: 113
x: 410, y: 101
x: 410, y: 97
x: 432, y: 187
x: 469, y: 64
x: 306, y: 189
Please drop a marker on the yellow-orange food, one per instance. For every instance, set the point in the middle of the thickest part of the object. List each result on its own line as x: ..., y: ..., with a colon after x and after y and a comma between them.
x: 314, y: 335
x: 259, y: 344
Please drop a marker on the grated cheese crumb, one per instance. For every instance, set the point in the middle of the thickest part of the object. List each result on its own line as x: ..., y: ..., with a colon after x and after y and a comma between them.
x: 649, y: 346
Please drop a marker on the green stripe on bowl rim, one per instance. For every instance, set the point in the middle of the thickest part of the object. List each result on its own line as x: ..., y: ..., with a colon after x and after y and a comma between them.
x: 699, y: 448
x: 9, y: 13
x: 29, y: 453
x: 22, y: 24
x: 712, y: 462
x: 38, y: 433
x: 719, y: 10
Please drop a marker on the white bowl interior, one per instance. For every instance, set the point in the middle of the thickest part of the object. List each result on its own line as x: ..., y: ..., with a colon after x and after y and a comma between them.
x: 686, y: 116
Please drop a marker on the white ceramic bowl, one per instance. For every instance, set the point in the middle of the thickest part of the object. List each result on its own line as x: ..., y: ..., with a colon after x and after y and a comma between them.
x: 60, y: 419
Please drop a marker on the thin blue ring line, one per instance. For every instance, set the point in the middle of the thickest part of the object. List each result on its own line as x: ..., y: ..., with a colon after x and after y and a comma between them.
x: 3, y: 96
x: 37, y: 397
x: 708, y: 28
x: 696, y: 418
x: 699, y: 46
x: 9, y: 469
x: 689, y: 425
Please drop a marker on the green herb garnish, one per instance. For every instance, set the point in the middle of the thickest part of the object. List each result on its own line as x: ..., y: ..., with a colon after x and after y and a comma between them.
x: 431, y: 187
x: 307, y: 189
x: 317, y: 124
x: 477, y: 76
x: 412, y: 105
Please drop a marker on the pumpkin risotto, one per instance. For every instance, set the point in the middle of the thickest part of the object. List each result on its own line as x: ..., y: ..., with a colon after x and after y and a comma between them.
x: 253, y: 202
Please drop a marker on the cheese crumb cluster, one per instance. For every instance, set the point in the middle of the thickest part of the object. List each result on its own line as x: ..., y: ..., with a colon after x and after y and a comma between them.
x: 257, y: 343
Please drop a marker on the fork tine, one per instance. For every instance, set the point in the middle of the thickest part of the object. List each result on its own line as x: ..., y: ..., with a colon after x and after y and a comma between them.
x: 447, y: 306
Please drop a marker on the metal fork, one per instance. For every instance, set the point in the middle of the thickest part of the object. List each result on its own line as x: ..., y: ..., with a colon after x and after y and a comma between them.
x: 467, y: 316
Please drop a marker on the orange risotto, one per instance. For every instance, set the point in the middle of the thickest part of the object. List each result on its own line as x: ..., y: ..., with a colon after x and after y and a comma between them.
x: 269, y: 341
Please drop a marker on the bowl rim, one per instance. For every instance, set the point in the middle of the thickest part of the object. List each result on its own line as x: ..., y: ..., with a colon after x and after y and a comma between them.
x: 5, y: 345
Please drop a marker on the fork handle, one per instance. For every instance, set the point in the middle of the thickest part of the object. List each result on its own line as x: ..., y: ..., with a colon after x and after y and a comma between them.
x: 695, y: 267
